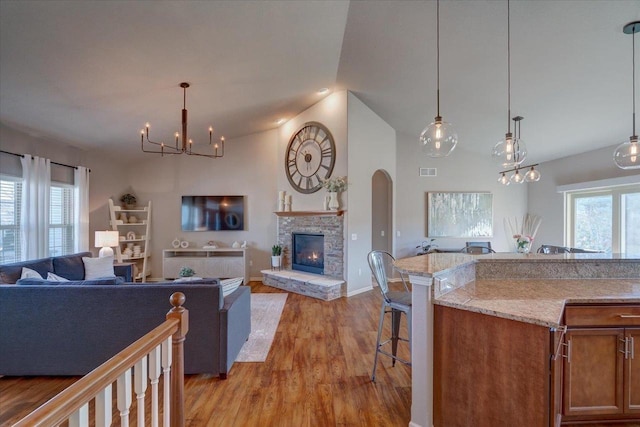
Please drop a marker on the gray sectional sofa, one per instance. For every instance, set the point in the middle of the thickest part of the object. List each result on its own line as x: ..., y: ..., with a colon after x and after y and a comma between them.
x: 69, y: 329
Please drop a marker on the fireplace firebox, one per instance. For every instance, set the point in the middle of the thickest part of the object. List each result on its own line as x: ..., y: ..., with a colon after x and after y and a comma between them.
x: 307, y: 252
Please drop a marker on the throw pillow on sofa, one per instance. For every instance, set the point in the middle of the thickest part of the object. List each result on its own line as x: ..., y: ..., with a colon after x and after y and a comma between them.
x: 95, y: 268
x: 52, y: 277
x: 28, y: 273
x: 230, y: 285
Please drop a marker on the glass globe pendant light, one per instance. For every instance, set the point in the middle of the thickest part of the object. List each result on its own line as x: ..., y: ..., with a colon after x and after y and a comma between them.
x: 439, y: 138
x: 516, y: 178
x: 510, y: 151
x: 503, y: 179
x: 627, y: 154
x: 532, y: 175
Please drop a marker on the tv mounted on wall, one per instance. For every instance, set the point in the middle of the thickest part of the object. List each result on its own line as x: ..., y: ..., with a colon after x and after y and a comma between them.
x: 212, y: 213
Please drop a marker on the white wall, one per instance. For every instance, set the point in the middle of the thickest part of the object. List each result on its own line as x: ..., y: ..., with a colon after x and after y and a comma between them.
x: 372, y: 146
x: 461, y: 171
x: 590, y: 166
x: 248, y: 168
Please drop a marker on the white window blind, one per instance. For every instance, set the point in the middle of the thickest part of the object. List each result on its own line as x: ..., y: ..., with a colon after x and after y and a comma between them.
x: 10, y: 202
x: 61, y: 226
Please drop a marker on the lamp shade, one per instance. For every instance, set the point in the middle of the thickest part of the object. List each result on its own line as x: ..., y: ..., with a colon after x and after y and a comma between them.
x: 104, y: 240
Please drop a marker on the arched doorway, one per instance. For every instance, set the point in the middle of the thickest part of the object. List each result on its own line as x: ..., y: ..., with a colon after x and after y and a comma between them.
x: 381, y: 212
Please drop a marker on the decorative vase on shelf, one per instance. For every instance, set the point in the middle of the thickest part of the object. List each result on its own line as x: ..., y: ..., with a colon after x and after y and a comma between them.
x: 333, y: 201
x: 524, y: 248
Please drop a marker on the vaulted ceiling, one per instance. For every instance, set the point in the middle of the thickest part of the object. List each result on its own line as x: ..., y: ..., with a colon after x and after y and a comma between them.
x: 92, y: 73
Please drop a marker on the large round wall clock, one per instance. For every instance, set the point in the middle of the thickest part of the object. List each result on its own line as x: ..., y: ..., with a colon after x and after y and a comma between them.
x: 310, y: 157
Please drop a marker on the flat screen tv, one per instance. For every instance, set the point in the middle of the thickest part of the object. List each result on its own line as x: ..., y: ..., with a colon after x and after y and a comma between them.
x: 212, y: 213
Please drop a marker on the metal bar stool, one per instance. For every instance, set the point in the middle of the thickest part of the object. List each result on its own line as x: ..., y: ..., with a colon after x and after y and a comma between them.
x: 394, y: 303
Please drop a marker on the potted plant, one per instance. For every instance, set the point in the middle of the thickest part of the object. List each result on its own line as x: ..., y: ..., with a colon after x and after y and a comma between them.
x: 276, y: 257
x: 186, y: 272
x: 129, y: 200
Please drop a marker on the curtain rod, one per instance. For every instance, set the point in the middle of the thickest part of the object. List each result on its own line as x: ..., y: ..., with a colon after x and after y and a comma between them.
x: 55, y: 163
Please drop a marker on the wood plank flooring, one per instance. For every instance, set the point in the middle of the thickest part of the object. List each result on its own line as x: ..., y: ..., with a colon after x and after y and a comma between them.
x: 317, y: 374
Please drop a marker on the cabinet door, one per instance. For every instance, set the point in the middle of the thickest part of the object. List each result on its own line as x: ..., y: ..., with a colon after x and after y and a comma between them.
x: 593, y: 372
x: 632, y: 372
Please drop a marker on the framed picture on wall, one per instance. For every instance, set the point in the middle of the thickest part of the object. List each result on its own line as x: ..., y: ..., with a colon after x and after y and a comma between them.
x: 458, y: 214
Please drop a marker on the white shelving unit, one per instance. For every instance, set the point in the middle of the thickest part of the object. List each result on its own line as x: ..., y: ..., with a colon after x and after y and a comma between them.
x: 137, y: 233
x: 219, y: 263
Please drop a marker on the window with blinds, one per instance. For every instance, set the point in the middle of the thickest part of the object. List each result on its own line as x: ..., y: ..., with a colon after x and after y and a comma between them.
x: 61, y: 226
x: 10, y: 202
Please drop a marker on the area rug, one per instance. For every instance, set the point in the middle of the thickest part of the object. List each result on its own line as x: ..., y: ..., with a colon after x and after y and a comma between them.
x: 266, y: 310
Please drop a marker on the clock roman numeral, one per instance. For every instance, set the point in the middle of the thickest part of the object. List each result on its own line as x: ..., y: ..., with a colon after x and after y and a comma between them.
x: 309, y: 182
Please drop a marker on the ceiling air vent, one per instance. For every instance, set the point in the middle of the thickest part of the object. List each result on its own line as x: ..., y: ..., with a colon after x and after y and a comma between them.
x: 428, y: 172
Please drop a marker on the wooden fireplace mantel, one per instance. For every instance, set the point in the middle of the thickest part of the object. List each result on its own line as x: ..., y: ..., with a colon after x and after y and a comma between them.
x: 310, y: 213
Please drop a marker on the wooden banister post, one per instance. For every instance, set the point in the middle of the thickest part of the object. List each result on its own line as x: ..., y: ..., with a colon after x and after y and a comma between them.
x: 177, y: 299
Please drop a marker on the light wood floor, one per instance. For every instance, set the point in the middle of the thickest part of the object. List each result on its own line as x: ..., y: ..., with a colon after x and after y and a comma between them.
x: 317, y: 374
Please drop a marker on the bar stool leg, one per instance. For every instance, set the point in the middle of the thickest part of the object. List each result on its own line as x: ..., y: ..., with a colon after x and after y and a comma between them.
x: 375, y: 359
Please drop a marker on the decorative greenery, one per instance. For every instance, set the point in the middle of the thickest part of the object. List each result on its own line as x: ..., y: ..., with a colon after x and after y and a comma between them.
x: 276, y: 250
x: 337, y: 184
x: 427, y: 246
x: 128, y: 199
x: 186, y: 272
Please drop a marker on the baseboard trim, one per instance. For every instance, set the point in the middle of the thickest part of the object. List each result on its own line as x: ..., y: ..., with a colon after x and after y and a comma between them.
x: 359, y: 291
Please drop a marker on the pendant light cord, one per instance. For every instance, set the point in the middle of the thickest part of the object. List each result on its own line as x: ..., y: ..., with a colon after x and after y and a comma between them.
x: 438, y: 51
x: 633, y: 62
x: 508, y: 68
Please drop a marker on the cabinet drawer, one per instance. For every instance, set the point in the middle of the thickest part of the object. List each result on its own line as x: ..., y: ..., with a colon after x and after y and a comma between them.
x: 602, y: 315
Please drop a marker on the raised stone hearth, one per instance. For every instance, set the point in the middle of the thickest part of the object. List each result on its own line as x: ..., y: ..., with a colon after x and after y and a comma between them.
x: 311, y: 285
x: 327, y: 286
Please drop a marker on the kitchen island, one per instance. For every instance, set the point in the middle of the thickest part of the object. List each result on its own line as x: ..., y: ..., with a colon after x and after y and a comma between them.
x: 498, y: 347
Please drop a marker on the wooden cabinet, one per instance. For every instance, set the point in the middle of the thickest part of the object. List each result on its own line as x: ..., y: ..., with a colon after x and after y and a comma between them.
x: 133, y: 226
x: 601, y: 370
x: 219, y: 263
x: 491, y: 371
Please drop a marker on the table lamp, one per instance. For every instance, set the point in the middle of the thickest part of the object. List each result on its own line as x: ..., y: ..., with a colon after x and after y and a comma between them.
x: 105, y: 240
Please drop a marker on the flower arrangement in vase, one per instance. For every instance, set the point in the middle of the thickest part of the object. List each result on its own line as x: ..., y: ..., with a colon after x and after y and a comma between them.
x: 523, y: 243
x: 334, y: 186
x: 524, y: 232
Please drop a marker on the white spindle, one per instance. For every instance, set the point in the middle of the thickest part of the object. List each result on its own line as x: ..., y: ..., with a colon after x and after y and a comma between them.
x: 124, y: 397
x: 103, y: 407
x: 140, y: 386
x: 80, y: 418
x: 166, y: 379
x: 155, y: 366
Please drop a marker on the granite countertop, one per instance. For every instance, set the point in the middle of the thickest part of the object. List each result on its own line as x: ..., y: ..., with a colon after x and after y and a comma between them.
x: 428, y: 265
x: 538, y: 301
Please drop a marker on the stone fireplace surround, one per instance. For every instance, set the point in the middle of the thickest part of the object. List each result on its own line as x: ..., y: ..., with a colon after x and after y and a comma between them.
x: 332, y: 226
x: 325, y: 287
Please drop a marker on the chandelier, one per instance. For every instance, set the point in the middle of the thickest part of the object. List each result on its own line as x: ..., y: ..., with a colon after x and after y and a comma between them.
x: 184, y: 145
x: 532, y: 175
x: 627, y: 154
x: 439, y: 138
x: 509, y: 152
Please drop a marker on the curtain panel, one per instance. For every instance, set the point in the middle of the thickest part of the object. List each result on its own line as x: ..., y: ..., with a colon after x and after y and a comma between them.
x: 34, y: 220
x: 81, y: 209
